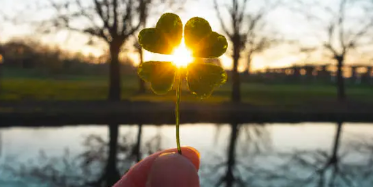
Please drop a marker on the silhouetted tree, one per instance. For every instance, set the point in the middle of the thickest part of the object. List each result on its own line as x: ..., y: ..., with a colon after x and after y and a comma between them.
x: 229, y: 179
x: 112, y: 173
x: 346, y: 25
x: 116, y: 154
x: 99, y: 165
x: 113, y: 21
x: 317, y: 168
x: 25, y: 53
x: 1, y: 68
x: 1, y: 135
x: 244, y: 31
x: 140, y: 52
x: 245, y: 143
x: 137, y: 147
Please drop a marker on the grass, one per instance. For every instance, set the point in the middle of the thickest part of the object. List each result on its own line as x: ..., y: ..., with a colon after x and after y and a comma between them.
x: 32, y: 87
x: 81, y: 89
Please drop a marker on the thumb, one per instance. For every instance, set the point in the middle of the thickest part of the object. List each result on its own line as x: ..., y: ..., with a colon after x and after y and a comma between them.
x: 143, y: 173
x: 172, y: 169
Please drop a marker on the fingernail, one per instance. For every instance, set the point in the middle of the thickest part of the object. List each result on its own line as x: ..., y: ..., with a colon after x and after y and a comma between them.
x: 195, y: 151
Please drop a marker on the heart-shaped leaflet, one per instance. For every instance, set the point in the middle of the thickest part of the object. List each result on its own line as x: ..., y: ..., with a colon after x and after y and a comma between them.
x: 160, y: 75
x: 202, y: 41
x: 165, y: 37
x: 203, y: 78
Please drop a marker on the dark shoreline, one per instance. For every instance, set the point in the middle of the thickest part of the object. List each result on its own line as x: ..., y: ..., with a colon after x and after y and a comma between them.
x: 58, y: 113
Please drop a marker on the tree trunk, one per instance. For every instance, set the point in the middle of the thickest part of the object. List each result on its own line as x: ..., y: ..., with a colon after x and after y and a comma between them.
x: 144, y: 13
x: 1, y: 69
x: 114, y: 70
x: 141, y: 82
x: 337, y: 141
x: 231, y: 160
x: 137, y: 150
x: 334, y: 159
x: 236, y: 93
x: 249, y: 59
x: 112, y: 174
x: 340, y: 80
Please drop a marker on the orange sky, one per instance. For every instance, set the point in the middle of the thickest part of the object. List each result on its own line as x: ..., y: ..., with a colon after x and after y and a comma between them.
x: 281, y: 20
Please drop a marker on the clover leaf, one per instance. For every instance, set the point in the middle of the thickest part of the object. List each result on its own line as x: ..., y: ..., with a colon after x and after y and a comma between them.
x: 202, y: 41
x: 161, y: 75
x: 164, y: 37
x: 202, y: 78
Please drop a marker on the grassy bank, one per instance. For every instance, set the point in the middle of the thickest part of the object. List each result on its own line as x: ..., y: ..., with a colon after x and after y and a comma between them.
x: 32, y: 87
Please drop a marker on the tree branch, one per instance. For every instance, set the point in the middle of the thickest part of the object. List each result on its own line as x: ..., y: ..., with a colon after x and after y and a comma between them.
x: 127, y: 32
x: 360, y: 34
x: 85, y: 13
x: 115, y: 15
x: 99, y: 11
x: 224, y: 27
x: 341, y: 19
x: 127, y: 15
x: 241, y: 12
x: 329, y: 45
x: 106, y: 4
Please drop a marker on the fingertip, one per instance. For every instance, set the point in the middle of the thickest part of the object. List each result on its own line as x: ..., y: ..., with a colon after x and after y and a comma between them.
x: 139, y: 173
x: 173, y: 169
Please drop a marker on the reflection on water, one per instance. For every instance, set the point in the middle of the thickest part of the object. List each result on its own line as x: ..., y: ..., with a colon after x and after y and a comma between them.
x: 305, y: 154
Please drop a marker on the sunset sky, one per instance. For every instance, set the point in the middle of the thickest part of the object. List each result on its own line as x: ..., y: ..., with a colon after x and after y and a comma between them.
x: 282, y: 21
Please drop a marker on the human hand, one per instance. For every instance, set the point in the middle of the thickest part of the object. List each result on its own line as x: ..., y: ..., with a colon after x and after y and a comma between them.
x: 164, y: 169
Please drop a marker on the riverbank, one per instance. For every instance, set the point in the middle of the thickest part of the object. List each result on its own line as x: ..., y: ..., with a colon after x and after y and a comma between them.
x: 56, y: 113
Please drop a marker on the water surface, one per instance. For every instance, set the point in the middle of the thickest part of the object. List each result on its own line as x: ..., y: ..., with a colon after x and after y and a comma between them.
x: 304, y: 154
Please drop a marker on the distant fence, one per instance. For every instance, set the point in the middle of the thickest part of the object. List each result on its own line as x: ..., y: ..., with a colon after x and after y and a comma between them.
x: 355, y: 74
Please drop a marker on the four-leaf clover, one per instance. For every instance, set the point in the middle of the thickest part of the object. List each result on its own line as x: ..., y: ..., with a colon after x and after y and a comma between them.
x: 202, y: 77
x: 199, y: 38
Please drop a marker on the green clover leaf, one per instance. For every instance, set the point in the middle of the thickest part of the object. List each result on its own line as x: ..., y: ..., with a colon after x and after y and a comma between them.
x: 164, y: 37
x: 202, y: 77
x: 200, y: 39
x: 161, y: 75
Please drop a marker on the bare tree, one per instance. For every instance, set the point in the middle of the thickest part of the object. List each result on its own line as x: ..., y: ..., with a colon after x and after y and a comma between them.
x: 323, y: 168
x: 238, y: 167
x: 346, y: 26
x: 243, y: 32
x: 99, y: 164
x: 258, y: 41
x: 112, y: 21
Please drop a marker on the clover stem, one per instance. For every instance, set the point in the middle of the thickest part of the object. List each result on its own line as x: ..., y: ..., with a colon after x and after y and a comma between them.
x: 177, y: 110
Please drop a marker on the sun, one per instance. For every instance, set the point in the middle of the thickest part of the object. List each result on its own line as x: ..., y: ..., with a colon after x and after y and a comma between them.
x: 181, y: 56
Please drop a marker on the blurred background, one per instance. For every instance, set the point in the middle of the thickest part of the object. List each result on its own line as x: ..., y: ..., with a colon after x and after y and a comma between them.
x: 297, y: 109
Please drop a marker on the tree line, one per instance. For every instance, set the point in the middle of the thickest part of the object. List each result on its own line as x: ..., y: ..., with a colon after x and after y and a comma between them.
x: 342, y: 28
x: 52, y: 61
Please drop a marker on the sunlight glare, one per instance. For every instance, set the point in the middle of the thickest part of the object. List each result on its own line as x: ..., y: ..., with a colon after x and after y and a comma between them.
x: 181, y: 56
